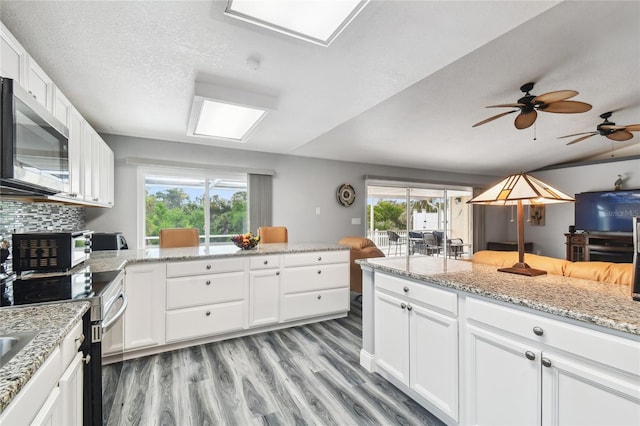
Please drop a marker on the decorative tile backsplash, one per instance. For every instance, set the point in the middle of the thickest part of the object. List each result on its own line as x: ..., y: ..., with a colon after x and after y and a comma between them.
x: 18, y: 216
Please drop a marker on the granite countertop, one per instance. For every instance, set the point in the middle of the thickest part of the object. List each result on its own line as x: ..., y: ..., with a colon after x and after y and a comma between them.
x: 605, y: 305
x: 118, y: 259
x: 53, y: 321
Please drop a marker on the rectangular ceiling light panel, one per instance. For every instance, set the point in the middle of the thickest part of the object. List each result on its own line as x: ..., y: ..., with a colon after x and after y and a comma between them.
x: 317, y: 21
x: 226, y: 113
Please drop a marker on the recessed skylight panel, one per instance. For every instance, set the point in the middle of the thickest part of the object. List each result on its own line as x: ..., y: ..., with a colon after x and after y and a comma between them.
x: 221, y: 120
x: 317, y: 21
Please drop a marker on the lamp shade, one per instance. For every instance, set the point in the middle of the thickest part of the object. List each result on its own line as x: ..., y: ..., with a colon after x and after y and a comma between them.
x: 520, y: 187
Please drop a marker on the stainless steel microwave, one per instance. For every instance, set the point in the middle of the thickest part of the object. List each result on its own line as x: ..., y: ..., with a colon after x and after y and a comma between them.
x: 34, y: 145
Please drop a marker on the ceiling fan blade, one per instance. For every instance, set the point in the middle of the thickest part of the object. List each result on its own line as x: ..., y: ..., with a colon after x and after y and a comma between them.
x: 633, y: 128
x: 578, y: 134
x: 581, y: 139
x: 507, y: 106
x: 612, y: 127
x: 567, y: 107
x: 620, y: 135
x: 559, y: 95
x: 493, y: 118
x: 525, y: 120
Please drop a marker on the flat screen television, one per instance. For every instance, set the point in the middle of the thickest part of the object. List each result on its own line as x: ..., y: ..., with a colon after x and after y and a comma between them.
x: 607, y: 211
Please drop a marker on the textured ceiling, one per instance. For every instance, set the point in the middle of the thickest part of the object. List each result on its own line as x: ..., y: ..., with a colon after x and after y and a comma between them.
x: 402, y: 85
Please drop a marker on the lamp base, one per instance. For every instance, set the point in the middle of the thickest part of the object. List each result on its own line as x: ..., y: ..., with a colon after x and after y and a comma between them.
x: 523, y: 269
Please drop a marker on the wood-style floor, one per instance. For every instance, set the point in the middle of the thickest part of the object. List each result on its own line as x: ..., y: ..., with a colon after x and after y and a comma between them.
x: 308, y: 375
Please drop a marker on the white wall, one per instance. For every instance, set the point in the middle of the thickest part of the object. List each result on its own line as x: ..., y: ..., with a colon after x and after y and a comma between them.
x: 549, y: 239
x: 300, y: 185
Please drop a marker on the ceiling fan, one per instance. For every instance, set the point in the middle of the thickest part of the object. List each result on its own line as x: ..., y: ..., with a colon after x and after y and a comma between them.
x: 547, y: 102
x: 607, y: 129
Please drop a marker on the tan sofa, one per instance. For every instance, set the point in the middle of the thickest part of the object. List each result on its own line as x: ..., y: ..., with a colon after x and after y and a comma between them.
x: 361, y: 248
x: 607, y: 272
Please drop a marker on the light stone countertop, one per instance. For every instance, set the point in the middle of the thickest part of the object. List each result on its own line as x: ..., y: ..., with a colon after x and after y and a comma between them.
x: 53, y: 321
x: 593, y: 302
x: 118, y: 259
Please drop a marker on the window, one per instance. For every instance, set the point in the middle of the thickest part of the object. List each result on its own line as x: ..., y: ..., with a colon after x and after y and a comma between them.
x: 214, y: 203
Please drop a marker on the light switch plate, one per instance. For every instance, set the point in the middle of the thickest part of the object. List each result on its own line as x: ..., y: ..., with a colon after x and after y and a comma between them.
x: 355, y: 221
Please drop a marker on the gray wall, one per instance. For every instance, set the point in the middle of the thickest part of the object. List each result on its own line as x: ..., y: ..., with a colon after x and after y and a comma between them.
x: 300, y: 185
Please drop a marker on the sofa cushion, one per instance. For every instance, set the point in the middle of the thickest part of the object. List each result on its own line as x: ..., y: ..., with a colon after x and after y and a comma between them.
x: 552, y: 265
x: 496, y: 258
x: 356, y: 242
x: 607, y: 272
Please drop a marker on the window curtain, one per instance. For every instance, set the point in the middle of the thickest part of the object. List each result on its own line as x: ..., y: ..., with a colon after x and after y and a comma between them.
x: 479, y: 213
x: 260, y: 195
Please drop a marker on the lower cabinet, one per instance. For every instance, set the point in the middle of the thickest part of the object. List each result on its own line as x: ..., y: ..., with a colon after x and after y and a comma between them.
x: 264, y: 297
x: 524, y: 369
x: 144, y: 317
x: 416, y: 342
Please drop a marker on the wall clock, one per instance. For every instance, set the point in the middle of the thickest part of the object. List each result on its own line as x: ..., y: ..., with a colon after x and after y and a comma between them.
x: 346, y: 195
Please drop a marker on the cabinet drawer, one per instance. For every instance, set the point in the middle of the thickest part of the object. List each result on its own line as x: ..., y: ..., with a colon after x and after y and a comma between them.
x: 316, y: 258
x: 71, y: 344
x: 435, y: 298
x: 204, y: 289
x: 315, y: 303
x: 578, y: 239
x: 207, y: 266
x: 617, y: 352
x: 264, y: 262
x: 306, y: 278
x: 205, y: 321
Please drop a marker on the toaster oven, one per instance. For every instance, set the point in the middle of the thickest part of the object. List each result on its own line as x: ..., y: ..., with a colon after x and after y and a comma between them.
x: 49, y: 251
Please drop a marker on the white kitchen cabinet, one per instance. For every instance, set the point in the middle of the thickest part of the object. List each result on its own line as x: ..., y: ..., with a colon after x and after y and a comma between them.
x: 50, y: 413
x: 71, y: 392
x: 97, y: 168
x: 314, y: 284
x: 416, y: 340
x: 144, y: 319
x: 550, y: 372
x: 39, y: 85
x: 13, y: 57
x: 61, y: 107
x: 264, y: 290
x: 76, y: 166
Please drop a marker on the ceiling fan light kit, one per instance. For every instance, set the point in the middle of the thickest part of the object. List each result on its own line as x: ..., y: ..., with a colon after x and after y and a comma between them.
x: 529, y: 104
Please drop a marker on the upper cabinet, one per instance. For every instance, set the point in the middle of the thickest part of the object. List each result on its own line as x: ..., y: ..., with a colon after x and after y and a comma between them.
x: 91, y: 168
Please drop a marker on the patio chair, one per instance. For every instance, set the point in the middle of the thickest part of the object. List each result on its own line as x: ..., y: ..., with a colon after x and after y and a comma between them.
x: 455, y: 247
x: 415, y: 241
x: 396, y: 240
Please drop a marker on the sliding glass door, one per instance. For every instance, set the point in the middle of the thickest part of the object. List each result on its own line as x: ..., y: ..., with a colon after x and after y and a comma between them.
x: 419, y: 219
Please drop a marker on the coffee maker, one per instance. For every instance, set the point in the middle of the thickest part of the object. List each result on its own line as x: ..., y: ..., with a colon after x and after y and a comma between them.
x: 635, y: 288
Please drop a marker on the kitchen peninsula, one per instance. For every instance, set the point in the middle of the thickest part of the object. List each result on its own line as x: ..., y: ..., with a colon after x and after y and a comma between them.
x: 477, y: 346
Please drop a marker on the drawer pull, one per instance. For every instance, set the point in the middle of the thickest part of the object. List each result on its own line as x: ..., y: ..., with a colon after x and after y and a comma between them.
x: 406, y: 289
x: 319, y: 271
x: 538, y: 331
x: 266, y: 262
x: 546, y: 362
x: 403, y: 305
x: 409, y: 307
x: 80, y: 339
x: 208, y: 313
x: 319, y: 296
x: 278, y: 273
x: 530, y: 355
x: 87, y: 359
x: 319, y: 258
x: 208, y: 266
x: 208, y: 282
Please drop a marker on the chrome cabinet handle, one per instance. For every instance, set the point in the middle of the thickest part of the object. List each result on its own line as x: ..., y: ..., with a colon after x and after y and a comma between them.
x: 538, y: 331
x: 266, y: 262
x: 403, y: 305
x: 87, y: 359
x: 530, y: 355
x: 546, y: 362
x: 208, y: 313
x: 319, y: 271
x: 319, y: 258
x: 208, y: 282
x: 80, y: 339
x: 409, y: 307
x: 406, y: 289
x: 208, y: 266
x: 319, y: 297
x: 278, y: 273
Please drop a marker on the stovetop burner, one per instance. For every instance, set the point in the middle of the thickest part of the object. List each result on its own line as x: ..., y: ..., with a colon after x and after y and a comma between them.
x: 41, y: 288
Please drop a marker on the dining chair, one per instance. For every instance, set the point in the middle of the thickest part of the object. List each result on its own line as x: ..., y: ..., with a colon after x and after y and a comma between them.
x: 179, y: 237
x: 273, y: 234
x: 396, y: 240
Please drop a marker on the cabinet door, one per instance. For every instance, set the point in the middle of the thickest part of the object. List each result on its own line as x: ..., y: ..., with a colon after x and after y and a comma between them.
x: 144, y: 318
x: 576, y: 393
x: 87, y: 158
x: 113, y: 339
x: 51, y: 412
x: 392, y: 336
x: 76, y: 176
x: 71, y: 391
x: 39, y: 85
x: 503, y: 385
x: 434, y: 358
x: 264, y: 297
x: 61, y: 107
x: 97, y: 152
x: 13, y: 58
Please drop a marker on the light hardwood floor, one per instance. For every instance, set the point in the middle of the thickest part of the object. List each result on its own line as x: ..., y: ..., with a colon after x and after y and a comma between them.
x: 308, y: 375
